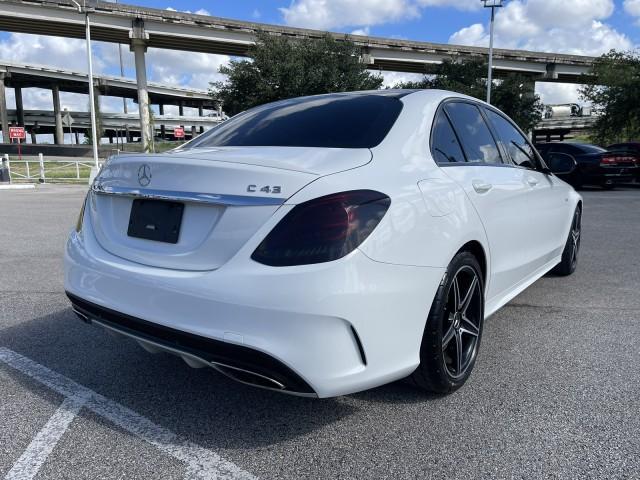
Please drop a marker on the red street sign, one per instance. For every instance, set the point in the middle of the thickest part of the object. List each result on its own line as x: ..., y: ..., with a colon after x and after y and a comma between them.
x: 178, y: 132
x: 17, y: 132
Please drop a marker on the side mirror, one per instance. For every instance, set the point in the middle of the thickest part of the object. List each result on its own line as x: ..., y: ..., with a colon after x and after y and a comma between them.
x: 561, y: 163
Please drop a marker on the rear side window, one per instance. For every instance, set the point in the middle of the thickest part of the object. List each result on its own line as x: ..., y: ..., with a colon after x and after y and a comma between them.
x: 513, y: 142
x: 331, y: 121
x: 444, y: 144
x: 477, y: 141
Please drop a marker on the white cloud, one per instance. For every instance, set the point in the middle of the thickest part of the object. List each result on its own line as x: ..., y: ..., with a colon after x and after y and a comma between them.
x: 632, y: 7
x: 391, y: 79
x: 459, y: 4
x: 67, y: 53
x: 361, y: 31
x: 171, y: 67
x: 187, y: 69
x: 545, y: 26
x: 201, y: 11
x: 328, y: 14
x: 472, y: 35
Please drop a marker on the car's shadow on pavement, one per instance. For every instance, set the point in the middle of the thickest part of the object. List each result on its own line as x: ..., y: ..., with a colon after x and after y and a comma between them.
x: 199, y: 404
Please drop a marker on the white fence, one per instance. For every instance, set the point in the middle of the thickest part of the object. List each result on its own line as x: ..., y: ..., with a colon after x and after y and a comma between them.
x: 45, y: 170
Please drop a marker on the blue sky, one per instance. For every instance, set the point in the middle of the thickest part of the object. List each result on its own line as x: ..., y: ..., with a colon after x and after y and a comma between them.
x: 588, y: 27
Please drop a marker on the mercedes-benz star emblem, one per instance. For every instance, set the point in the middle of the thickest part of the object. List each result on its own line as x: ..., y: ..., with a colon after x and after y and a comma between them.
x: 144, y: 175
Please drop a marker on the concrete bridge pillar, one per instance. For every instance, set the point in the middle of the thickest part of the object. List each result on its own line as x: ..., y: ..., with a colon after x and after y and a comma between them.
x: 59, y: 133
x: 181, y: 110
x: 19, y: 106
x: 139, y: 40
x: 201, y: 114
x: 4, y: 116
x: 163, y: 129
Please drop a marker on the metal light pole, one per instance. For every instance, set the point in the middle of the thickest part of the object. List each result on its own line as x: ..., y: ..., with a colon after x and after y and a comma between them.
x: 92, y: 106
x: 124, y: 99
x: 492, y: 4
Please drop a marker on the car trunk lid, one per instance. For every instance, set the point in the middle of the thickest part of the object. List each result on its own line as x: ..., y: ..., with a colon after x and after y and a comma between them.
x: 224, y: 196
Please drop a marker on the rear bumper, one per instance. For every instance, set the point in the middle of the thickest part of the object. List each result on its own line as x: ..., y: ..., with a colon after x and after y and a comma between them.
x: 239, y: 362
x: 326, y: 330
x: 610, y: 175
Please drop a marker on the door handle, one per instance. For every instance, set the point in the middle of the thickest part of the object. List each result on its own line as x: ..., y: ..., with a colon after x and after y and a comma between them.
x: 532, y: 181
x: 481, y: 187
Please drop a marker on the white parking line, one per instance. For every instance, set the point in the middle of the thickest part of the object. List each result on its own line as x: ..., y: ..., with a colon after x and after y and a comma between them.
x: 42, y: 445
x: 200, y: 462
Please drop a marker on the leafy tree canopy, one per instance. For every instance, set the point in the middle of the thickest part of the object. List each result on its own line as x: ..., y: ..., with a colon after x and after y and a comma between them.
x: 283, y: 68
x: 513, y: 94
x: 614, y: 91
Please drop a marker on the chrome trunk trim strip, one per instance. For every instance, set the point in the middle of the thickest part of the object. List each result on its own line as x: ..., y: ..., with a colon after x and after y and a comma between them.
x: 187, y: 197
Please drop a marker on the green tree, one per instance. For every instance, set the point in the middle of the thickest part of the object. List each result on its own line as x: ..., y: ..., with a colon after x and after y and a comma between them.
x: 613, y: 88
x: 513, y: 94
x: 282, y: 68
x: 464, y: 76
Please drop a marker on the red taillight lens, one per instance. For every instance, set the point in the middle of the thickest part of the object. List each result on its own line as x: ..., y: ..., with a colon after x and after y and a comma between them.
x: 617, y: 160
x: 323, y: 229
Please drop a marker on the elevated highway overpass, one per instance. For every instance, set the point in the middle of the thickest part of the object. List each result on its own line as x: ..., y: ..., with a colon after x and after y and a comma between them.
x: 119, y: 23
x: 141, y: 28
x: 26, y: 75
x: 115, y: 124
x: 562, y: 127
x: 19, y: 76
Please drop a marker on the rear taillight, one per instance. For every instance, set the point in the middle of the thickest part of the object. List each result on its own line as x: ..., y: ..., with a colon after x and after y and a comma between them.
x: 616, y: 160
x: 323, y: 229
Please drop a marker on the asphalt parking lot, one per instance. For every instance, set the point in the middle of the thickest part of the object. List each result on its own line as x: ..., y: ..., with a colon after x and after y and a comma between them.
x: 555, y: 393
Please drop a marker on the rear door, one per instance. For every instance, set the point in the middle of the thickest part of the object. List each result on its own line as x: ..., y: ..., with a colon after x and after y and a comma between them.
x: 548, y: 198
x: 496, y: 189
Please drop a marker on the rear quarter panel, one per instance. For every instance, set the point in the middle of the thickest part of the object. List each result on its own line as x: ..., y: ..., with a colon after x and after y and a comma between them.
x: 430, y: 216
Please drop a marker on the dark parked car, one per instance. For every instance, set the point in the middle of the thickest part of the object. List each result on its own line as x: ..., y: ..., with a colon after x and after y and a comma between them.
x: 594, y: 165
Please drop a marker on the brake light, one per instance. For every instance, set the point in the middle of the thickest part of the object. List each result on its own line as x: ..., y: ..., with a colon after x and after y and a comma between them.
x: 617, y: 160
x: 323, y: 229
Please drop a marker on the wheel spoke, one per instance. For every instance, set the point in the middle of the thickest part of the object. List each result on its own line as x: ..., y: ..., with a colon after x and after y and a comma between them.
x: 469, y: 327
x: 448, y: 336
x: 469, y: 295
x: 456, y: 294
x: 458, y: 352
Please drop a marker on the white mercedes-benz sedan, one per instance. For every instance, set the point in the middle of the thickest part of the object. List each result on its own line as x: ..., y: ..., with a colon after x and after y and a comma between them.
x: 328, y: 244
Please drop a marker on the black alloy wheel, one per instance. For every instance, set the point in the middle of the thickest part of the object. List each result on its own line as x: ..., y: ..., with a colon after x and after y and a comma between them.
x: 569, y: 261
x: 453, y: 330
x: 461, y: 329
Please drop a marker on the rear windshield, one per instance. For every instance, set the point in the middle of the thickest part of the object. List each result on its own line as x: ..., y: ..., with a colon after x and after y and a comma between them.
x: 332, y: 121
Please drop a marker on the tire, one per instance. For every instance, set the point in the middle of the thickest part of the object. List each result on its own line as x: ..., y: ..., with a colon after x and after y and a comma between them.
x: 571, y: 250
x: 451, y: 338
